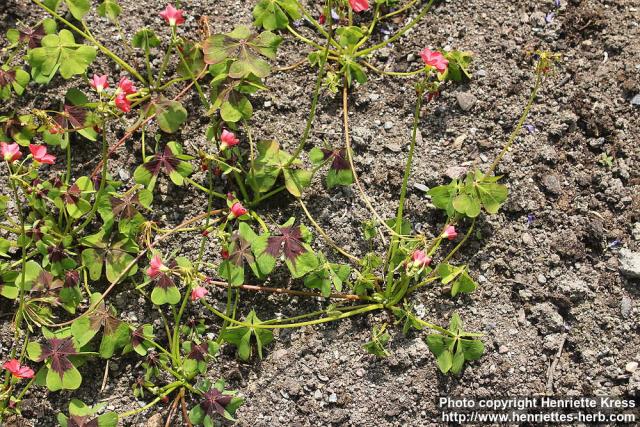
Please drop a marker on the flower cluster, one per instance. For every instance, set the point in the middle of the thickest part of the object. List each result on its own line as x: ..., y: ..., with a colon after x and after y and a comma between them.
x: 11, y: 152
x: 124, y: 89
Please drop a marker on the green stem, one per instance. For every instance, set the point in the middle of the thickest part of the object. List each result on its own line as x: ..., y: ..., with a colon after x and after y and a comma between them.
x: 399, y: 11
x: 365, y: 309
x: 203, y: 99
x: 316, y: 95
x: 267, y: 195
x: 403, y: 192
x: 165, y: 62
x: 399, y: 34
x: 99, y: 45
x: 152, y: 403
x: 205, y: 189
x: 393, y: 73
x: 103, y: 183
x: 518, y: 128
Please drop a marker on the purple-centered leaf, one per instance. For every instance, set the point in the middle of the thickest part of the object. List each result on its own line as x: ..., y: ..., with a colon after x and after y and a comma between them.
x: 339, y: 156
x: 289, y: 243
x: 7, y: 77
x: 82, y: 421
x: 72, y: 195
x: 198, y: 352
x: 58, y: 351
x: 241, y: 250
x: 75, y: 115
x: 125, y: 206
x: 164, y: 281
x: 215, y: 402
x: 56, y: 252
x: 45, y: 283
x: 138, y: 337
x: 32, y: 35
x: 165, y: 162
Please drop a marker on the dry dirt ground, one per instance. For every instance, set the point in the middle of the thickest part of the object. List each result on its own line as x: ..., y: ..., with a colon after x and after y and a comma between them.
x: 548, y: 265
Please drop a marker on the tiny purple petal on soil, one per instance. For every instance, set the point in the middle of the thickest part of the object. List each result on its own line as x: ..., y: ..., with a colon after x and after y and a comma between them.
x: 335, y: 15
x: 530, y: 128
x: 549, y: 17
x: 530, y: 219
x: 556, y: 3
x: 615, y: 244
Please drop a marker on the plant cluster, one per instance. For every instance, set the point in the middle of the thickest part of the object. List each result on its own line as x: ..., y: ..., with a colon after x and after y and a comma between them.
x: 70, y: 240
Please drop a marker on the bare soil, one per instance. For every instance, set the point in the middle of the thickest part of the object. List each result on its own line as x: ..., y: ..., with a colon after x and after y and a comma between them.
x: 547, y: 265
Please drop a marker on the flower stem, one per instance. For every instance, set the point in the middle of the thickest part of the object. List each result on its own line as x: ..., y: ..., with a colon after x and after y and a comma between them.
x: 518, y: 128
x: 403, y: 192
x: 399, y: 34
x: 316, y: 95
x: 347, y: 138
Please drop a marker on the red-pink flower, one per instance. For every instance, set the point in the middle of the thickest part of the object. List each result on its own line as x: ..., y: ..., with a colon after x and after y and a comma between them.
x: 237, y: 210
x: 228, y: 139
x: 198, y: 292
x: 10, y: 152
x: 420, y: 258
x: 122, y: 102
x: 359, y: 5
x: 156, y: 267
x: 125, y: 85
x: 435, y: 59
x: 39, y: 153
x: 99, y: 83
x: 450, y: 232
x: 172, y: 15
x: 17, y: 370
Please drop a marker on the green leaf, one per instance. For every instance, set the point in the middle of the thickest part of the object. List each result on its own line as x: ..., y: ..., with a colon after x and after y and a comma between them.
x: 145, y: 39
x: 170, y: 115
x: 78, y: 8
x: 297, y: 180
x: 59, y: 52
x: 169, y: 295
x: 241, y: 337
x: 116, y: 261
x: 492, y: 195
x: 272, y: 14
x: 92, y: 261
x: 83, y: 331
x: 109, y: 9
x: 442, y: 196
x: 472, y: 349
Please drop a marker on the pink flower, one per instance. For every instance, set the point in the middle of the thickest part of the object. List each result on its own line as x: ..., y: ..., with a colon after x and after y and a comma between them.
x: 156, y: 267
x: 99, y: 83
x: 18, y: 371
x: 198, y: 292
x: 10, y: 152
x: 228, y: 140
x: 450, y: 232
x: 172, y: 15
x: 237, y: 210
x: 359, y: 5
x: 122, y: 102
x: 125, y: 85
x: 435, y: 59
x: 39, y: 153
x: 420, y: 258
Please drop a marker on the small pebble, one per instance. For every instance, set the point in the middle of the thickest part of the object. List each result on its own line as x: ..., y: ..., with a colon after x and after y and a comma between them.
x: 333, y: 398
x: 388, y: 125
x: 635, y: 100
x: 542, y: 279
x: 317, y: 395
x: 631, y: 367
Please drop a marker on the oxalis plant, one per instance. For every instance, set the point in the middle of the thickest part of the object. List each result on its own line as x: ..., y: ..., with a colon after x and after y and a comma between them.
x: 70, y: 241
